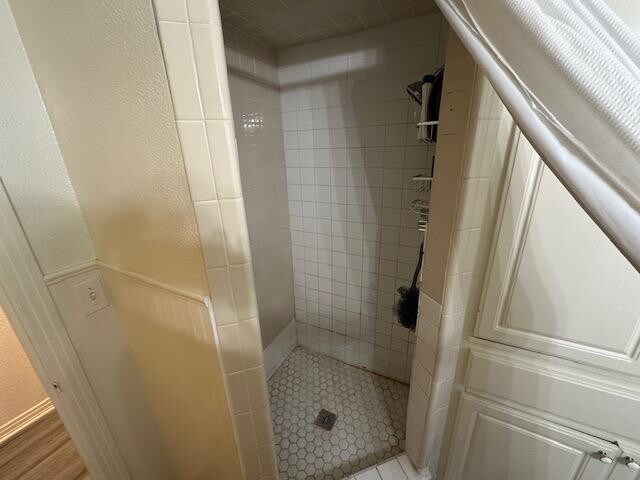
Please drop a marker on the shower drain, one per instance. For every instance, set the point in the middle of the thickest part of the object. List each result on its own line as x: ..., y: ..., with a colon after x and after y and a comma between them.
x: 325, y: 419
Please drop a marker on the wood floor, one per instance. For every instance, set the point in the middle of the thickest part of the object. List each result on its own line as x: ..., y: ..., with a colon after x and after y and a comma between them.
x: 43, y: 451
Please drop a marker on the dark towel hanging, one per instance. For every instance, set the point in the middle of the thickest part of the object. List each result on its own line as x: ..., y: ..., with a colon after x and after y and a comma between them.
x: 406, y: 307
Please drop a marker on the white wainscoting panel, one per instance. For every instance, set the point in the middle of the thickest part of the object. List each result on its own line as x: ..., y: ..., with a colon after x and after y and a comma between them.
x: 557, y: 284
x: 581, y: 397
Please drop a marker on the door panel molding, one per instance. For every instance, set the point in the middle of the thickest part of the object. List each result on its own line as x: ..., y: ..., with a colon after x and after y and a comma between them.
x: 491, y: 441
x: 580, y: 397
x: 517, y: 211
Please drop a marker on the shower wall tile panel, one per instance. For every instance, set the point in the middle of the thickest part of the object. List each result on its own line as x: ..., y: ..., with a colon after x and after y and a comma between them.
x: 351, y: 152
x: 474, y: 146
x: 192, y: 45
x: 255, y: 98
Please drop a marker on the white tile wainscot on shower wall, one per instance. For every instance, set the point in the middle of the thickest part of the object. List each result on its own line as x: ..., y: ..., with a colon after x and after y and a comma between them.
x: 472, y: 148
x: 487, y: 150
x: 351, y: 151
x: 255, y: 97
x: 193, y: 50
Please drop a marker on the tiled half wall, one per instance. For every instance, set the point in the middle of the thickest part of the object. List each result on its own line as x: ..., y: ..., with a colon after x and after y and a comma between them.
x: 193, y: 50
x: 474, y: 145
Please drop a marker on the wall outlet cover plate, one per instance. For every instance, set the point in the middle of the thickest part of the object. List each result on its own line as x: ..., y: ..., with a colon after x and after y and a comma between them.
x: 91, y: 295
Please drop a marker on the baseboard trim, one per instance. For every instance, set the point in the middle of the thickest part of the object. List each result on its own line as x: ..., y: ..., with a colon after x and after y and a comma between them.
x: 14, y: 427
x: 280, y: 348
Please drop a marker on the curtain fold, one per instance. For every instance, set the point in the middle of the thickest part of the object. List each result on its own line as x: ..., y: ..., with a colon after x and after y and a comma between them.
x: 569, y: 73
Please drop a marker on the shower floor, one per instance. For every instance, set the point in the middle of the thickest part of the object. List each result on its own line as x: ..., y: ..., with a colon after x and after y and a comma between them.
x: 370, y: 424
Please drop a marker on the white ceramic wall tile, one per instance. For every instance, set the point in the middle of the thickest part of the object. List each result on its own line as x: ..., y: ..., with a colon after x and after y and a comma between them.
x: 243, y: 423
x: 220, y: 283
x: 463, y: 199
x: 398, y: 468
x: 251, y: 344
x: 258, y: 125
x: 224, y: 156
x: 171, y: 10
x: 194, y: 54
x: 203, y: 11
x: 351, y: 151
x: 181, y: 69
x: 247, y: 56
x: 211, y: 233
x: 262, y: 425
x: 250, y: 460
x: 267, y: 461
x: 279, y: 348
x: 231, y: 348
x: 391, y: 470
x: 236, y: 234
x: 421, y: 377
x: 257, y: 382
x: 195, y: 150
x: 208, y: 48
x: 427, y: 332
x: 368, y: 475
x: 416, y: 418
x: 238, y: 389
x: 409, y: 470
x: 244, y: 291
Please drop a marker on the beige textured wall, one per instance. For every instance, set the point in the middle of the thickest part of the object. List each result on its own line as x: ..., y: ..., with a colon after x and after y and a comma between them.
x: 99, y: 68
x: 46, y: 204
x: 36, y: 180
x: 20, y: 389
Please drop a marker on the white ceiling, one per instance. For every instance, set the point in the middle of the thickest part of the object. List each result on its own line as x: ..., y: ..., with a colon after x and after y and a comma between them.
x: 284, y: 23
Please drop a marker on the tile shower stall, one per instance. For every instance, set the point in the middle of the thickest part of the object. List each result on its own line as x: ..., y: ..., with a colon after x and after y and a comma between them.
x: 328, y: 151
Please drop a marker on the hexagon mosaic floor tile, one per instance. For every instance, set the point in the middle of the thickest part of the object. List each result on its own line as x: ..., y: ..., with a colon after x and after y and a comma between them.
x: 370, y: 425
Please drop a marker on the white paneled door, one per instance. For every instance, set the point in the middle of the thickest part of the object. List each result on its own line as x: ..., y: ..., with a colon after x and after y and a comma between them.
x: 555, y: 282
x: 493, y: 442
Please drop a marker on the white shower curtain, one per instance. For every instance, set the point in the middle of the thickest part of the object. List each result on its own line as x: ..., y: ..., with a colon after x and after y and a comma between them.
x: 569, y: 72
